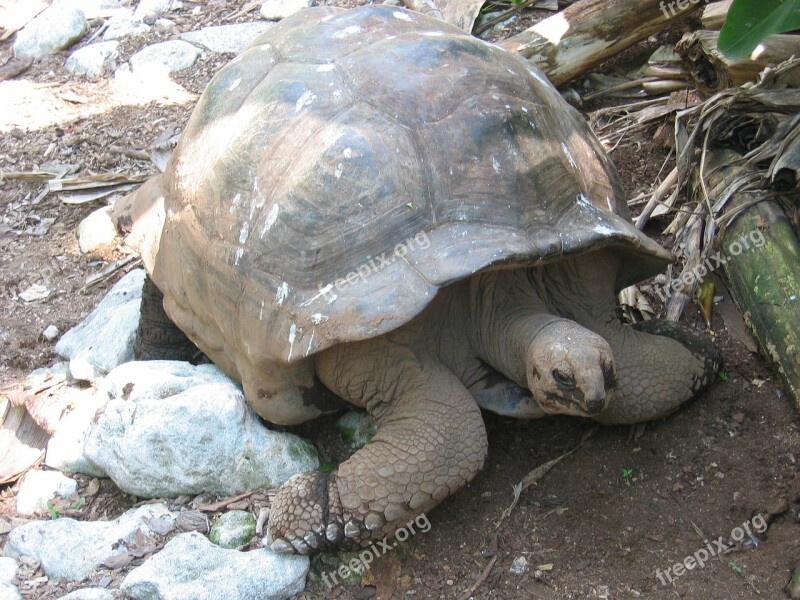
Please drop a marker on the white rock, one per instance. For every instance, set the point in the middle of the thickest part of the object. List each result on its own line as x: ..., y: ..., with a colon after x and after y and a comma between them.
x: 159, y: 379
x: 45, y: 377
x: 50, y: 333
x: 38, y: 487
x: 53, y: 29
x: 93, y: 9
x: 226, y: 38
x: 91, y: 60
x: 105, y: 338
x: 275, y: 10
x: 71, y: 549
x: 8, y: 569
x: 97, y: 231
x: 155, y: 7
x: 89, y: 594
x: 35, y: 292
x: 65, y: 447
x: 164, y: 57
x: 519, y: 565
x: 204, y: 438
x: 192, y: 568
x: 8, y: 591
x: 163, y: 23
x: 123, y: 26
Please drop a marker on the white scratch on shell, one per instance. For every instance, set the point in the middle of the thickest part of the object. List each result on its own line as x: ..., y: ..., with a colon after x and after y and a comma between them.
x: 325, y: 68
x: 292, y: 337
x: 261, y: 312
x: 339, y: 170
x: 401, y: 15
x: 306, y: 99
x: 347, y: 31
x: 244, y: 232
x: 569, y: 156
x: 495, y: 165
x: 272, y: 216
x: 235, y: 84
x: 318, y: 318
x: 282, y: 293
x: 238, y: 256
x: 347, y: 153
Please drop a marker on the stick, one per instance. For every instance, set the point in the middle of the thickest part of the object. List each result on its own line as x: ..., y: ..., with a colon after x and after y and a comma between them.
x: 484, y: 576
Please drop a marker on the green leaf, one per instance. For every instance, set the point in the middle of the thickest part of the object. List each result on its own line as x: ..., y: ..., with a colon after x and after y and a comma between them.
x: 328, y: 467
x: 735, y: 568
x: 750, y: 21
x: 723, y: 375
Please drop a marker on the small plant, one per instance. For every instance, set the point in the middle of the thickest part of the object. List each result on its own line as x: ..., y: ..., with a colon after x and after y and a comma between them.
x: 53, y: 510
x: 750, y: 21
x: 627, y: 475
x: 735, y: 568
x: 723, y: 375
x: 327, y: 467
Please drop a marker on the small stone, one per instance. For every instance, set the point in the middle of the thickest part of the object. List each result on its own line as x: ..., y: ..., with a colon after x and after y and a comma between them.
x: 50, y: 333
x: 231, y: 38
x: 164, y: 57
x: 233, y: 529
x: 357, y: 428
x: 124, y: 26
x: 35, y: 292
x: 97, y: 232
x: 275, y: 10
x: 39, y: 487
x: 54, y: 29
x: 164, y: 24
x: 155, y: 7
x: 8, y: 569
x: 519, y: 566
x: 91, y: 61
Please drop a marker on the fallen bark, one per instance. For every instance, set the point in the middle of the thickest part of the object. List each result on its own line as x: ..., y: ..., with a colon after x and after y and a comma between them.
x: 588, y: 32
x: 762, y: 271
x: 714, y: 14
x: 711, y: 71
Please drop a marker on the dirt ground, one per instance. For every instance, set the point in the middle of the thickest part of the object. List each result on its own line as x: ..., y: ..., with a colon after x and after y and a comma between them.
x: 609, y: 521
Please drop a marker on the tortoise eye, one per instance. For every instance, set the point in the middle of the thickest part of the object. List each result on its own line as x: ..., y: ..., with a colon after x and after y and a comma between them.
x: 564, y: 380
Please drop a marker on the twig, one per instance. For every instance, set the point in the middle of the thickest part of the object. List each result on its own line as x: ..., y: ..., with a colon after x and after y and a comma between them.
x: 484, y: 576
x: 108, y: 272
x: 223, y: 503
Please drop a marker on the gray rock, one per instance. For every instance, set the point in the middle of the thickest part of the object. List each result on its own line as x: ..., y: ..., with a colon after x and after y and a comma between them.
x: 105, y: 338
x: 65, y: 447
x: 8, y: 591
x: 97, y: 231
x: 357, y: 428
x: 192, y: 568
x: 89, y: 594
x: 94, y: 9
x: 53, y: 29
x: 164, y: 57
x: 72, y: 549
x: 8, y: 569
x: 226, y: 38
x: 50, y: 333
x: 124, y: 26
x: 233, y: 529
x: 155, y: 8
x: 204, y: 438
x: 38, y: 487
x: 275, y: 10
x: 91, y: 60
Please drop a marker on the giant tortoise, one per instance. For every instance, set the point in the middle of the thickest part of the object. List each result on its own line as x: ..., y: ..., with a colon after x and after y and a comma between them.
x: 372, y: 205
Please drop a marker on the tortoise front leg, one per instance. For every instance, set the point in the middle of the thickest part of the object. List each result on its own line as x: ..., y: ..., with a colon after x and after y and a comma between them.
x: 430, y: 442
x: 157, y: 337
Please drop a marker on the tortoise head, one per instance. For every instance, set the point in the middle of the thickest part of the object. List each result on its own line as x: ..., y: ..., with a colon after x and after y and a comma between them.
x: 570, y: 369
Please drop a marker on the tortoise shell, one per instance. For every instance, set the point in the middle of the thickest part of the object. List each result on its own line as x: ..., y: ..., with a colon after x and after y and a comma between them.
x: 348, y: 165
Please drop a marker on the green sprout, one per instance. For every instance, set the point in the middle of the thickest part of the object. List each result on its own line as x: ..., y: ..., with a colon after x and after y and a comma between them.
x: 627, y: 475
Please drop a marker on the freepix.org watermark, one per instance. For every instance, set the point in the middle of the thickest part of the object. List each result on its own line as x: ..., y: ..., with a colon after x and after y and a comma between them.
x: 362, y: 562
x: 668, y: 8
x: 687, y: 278
x: 712, y: 549
x: 375, y: 263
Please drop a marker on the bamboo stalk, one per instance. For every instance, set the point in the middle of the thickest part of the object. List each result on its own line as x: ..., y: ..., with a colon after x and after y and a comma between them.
x: 714, y: 14
x: 762, y: 268
x: 587, y: 32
